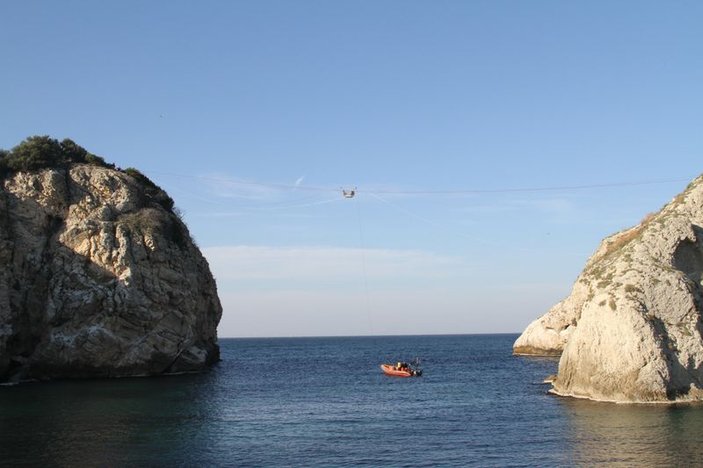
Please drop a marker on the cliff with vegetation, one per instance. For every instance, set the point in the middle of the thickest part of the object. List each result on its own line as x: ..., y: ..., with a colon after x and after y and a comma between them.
x: 99, y: 277
x: 631, y: 330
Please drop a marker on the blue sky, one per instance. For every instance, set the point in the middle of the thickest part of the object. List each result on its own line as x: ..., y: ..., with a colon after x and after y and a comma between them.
x: 252, y: 115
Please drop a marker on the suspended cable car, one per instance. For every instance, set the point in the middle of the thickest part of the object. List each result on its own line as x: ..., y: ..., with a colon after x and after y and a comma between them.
x: 349, y: 193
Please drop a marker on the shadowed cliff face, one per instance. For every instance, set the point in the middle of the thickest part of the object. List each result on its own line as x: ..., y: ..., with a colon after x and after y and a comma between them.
x: 632, y: 330
x: 98, y: 279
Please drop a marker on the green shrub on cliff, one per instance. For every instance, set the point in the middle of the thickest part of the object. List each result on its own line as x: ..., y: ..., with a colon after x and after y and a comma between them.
x: 44, y: 152
x: 40, y: 152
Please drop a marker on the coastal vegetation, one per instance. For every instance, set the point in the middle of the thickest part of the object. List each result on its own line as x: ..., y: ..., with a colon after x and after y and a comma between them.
x: 43, y: 152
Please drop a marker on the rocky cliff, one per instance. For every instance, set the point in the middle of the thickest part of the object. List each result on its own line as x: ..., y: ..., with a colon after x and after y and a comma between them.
x: 631, y: 329
x: 99, y: 278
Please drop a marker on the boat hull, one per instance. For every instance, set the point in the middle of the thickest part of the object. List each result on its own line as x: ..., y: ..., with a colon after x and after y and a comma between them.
x: 391, y: 370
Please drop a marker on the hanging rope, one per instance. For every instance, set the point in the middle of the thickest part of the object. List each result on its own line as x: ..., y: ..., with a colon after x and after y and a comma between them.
x: 362, y: 248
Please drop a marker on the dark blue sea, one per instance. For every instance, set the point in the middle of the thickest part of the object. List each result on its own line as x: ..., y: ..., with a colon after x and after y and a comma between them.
x: 325, y: 402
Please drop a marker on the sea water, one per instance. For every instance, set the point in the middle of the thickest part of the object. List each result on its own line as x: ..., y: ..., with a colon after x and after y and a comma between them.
x: 325, y: 402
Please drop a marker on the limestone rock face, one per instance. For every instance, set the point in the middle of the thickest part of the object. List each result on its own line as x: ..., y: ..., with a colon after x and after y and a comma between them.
x: 547, y: 335
x: 631, y: 330
x: 98, y: 279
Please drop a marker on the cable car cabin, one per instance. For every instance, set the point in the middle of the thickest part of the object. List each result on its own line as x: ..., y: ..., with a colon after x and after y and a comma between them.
x: 349, y: 193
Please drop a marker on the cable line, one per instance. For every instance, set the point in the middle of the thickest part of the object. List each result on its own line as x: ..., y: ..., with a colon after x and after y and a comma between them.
x: 465, y: 191
x: 558, y: 188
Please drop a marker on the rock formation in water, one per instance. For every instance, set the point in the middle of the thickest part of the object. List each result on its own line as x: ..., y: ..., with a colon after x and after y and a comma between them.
x: 99, y: 277
x: 631, y: 330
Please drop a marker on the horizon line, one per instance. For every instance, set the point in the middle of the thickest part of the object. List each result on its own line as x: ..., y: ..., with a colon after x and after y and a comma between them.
x: 361, y: 336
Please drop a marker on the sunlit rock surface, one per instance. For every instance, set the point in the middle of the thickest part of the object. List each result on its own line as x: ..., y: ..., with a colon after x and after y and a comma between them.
x: 99, y: 279
x: 631, y: 331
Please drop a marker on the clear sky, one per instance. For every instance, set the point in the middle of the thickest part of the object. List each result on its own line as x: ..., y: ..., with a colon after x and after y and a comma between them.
x: 253, y: 114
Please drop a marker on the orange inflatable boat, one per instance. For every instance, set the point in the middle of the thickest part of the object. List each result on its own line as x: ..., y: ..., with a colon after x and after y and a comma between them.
x: 400, y: 370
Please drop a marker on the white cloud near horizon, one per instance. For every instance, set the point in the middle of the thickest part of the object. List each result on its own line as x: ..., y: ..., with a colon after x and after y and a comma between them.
x: 285, y: 291
x: 433, y: 310
x: 319, y: 262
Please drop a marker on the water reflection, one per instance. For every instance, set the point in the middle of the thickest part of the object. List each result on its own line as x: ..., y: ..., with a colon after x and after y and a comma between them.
x: 104, y: 422
x: 634, y: 435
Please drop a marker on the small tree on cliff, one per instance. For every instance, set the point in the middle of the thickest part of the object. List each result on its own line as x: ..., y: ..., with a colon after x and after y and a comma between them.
x: 38, y: 152
x: 76, y: 153
x: 34, y: 153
